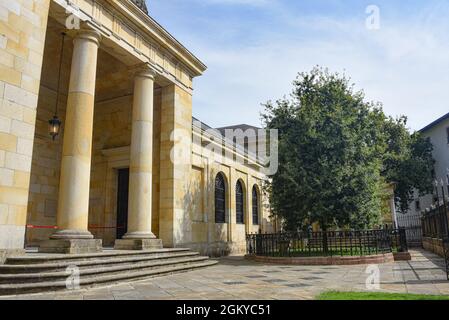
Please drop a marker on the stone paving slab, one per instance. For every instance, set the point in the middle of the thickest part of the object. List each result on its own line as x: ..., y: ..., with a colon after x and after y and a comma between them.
x: 257, y: 281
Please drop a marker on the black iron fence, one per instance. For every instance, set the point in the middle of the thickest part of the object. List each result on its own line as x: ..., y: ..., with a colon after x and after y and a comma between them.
x: 435, y: 227
x: 435, y: 222
x: 330, y: 243
x: 413, y: 228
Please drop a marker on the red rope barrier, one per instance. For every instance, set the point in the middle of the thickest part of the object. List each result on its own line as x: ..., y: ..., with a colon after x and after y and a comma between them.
x: 102, y: 227
x: 30, y: 226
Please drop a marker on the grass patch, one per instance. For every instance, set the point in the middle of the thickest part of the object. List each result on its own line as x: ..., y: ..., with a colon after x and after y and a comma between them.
x: 335, y: 295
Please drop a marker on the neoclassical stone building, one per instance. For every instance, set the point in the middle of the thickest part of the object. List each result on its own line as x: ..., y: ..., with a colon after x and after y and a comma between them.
x: 129, y: 167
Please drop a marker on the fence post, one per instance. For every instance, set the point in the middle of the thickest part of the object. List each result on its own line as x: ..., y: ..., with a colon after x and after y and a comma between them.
x: 403, y: 240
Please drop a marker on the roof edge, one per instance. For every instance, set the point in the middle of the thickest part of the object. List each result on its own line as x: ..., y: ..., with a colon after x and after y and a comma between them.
x: 434, y: 123
x: 196, y: 64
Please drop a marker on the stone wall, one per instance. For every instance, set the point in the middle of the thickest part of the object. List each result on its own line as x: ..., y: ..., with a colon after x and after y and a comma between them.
x: 433, y: 245
x: 323, y: 261
x: 45, y: 171
x: 22, y: 36
x: 112, y: 129
x: 112, y: 133
x: 46, y: 159
x: 176, y: 133
x: 203, y: 234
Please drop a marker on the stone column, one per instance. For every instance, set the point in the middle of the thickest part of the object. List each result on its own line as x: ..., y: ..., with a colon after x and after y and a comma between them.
x: 139, y: 235
x: 73, y: 204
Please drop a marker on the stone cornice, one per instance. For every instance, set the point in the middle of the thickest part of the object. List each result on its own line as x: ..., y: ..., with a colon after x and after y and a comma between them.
x: 141, y: 4
x: 123, y: 23
x: 117, y: 153
x: 217, y: 139
x: 162, y: 35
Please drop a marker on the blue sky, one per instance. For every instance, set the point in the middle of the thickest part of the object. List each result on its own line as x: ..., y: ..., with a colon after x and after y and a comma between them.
x: 255, y: 48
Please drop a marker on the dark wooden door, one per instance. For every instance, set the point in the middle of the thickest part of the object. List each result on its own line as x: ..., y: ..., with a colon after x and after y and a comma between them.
x: 122, y: 202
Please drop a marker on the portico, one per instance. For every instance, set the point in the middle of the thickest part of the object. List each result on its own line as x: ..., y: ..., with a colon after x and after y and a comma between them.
x: 130, y: 168
x: 91, y: 67
x: 73, y: 235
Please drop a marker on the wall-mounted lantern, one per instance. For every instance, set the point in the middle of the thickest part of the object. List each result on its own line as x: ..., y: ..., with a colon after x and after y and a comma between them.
x: 54, y: 125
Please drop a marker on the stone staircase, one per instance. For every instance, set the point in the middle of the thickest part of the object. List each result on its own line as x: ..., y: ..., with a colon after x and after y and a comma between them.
x: 49, y: 272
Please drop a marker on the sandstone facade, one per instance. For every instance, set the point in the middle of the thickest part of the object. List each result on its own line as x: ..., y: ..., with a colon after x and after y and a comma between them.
x: 23, y: 27
x: 67, y: 188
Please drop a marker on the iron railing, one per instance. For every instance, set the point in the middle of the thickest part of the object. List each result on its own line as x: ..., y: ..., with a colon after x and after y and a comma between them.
x: 435, y: 222
x: 330, y: 243
x: 435, y: 225
x: 413, y: 228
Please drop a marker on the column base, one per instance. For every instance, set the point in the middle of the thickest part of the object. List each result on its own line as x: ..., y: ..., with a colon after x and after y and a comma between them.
x: 71, y: 246
x: 138, y: 244
x: 137, y: 235
x: 68, y: 234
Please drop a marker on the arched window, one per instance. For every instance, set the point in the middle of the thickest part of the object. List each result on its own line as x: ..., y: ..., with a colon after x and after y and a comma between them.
x: 255, y: 206
x: 239, y: 202
x: 220, y: 199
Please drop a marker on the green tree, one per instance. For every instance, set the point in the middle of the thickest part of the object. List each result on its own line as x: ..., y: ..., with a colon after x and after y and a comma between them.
x: 336, y: 154
x: 408, y: 162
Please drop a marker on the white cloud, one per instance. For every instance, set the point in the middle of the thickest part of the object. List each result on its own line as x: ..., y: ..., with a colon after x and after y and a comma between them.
x: 403, y: 65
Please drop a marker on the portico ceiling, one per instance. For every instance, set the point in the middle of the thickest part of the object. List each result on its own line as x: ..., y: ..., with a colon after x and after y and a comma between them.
x: 133, y: 37
x: 114, y: 78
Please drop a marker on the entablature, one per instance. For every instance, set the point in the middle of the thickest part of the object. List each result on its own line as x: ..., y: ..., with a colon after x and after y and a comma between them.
x: 134, y: 37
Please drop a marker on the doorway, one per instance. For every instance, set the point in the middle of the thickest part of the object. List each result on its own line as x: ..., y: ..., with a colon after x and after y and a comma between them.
x: 122, y: 202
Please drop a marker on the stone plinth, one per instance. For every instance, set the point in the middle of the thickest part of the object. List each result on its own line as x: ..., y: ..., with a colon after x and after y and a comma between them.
x: 5, y: 253
x: 138, y: 244
x: 325, y: 261
x: 433, y: 245
x: 71, y: 246
x: 402, y: 256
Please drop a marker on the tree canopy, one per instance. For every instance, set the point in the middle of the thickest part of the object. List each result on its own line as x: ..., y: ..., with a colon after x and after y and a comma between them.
x: 408, y: 162
x: 337, y: 153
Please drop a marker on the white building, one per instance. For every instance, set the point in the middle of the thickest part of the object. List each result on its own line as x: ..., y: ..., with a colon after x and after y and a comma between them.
x: 438, y: 132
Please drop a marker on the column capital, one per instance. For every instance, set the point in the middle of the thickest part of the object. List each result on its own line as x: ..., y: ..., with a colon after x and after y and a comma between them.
x: 145, y: 70
x: 86, y: 34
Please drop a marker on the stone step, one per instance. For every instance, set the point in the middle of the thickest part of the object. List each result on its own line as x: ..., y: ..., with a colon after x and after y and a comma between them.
x: 36, y: 258
x: 56, y: 265
x: 63, y: 274
x: 21, y: 288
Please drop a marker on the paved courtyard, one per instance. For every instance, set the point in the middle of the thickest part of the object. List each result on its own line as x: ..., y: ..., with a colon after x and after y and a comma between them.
x: 235, y: 278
